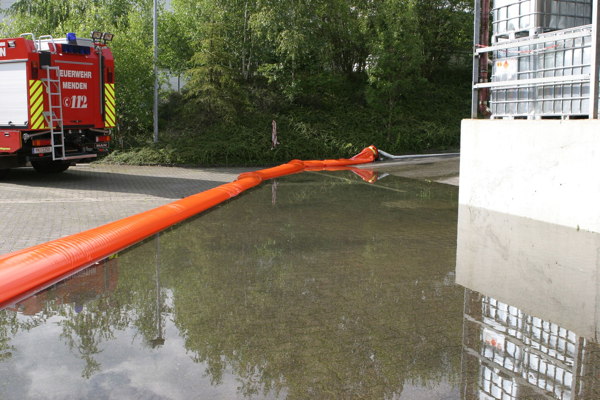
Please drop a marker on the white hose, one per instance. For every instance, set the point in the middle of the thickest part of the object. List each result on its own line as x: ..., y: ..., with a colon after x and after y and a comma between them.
x: 383, y: 154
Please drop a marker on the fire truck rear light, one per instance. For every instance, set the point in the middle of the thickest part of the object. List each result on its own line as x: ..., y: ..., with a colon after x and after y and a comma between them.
x: 41, y: 142
x: 102, y: 138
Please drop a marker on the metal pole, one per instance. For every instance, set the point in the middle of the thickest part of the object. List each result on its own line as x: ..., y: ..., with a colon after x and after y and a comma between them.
x: 484, y: 93
x: 155, y: 46
x: 476, y: 41
x: 158, y: 304
x: 595, y: 59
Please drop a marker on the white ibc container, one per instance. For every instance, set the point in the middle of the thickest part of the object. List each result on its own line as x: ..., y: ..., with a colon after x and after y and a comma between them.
x: 564, y: 58
x: 512, y: 64
x: 512, y: 19
x: 562, y: 54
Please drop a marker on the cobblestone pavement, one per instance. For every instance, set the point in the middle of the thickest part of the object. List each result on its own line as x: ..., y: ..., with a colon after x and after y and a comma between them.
x: 35, y: 208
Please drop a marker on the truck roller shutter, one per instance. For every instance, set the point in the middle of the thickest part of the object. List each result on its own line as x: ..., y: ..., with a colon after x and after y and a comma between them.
x: 13, y: 94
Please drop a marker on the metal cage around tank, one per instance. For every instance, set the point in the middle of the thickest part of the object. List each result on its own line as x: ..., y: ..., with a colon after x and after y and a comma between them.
x: 548, y: 77
x: 512, y: 19
x: 518, y: 355
x: 525, y: 68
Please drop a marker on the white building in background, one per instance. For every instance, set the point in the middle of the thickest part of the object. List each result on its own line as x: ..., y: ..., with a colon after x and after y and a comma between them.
x: 5, y: 4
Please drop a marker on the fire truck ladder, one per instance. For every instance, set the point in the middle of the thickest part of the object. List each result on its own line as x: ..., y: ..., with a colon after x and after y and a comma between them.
x: 54, y: 117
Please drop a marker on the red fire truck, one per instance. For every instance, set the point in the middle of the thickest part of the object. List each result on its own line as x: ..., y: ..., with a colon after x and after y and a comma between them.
x: 57, y: 101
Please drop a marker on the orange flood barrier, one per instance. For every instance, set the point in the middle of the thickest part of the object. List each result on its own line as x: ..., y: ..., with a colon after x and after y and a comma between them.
x: 27, y: 270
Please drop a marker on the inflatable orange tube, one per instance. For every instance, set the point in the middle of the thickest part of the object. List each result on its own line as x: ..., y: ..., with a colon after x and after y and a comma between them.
x: 26, y: 270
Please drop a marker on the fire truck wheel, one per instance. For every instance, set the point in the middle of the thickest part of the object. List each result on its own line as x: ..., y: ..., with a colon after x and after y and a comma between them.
x: 50, y: 167
x: 3, y: 173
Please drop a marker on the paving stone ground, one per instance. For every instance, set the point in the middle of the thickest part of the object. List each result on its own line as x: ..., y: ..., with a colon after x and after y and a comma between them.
x: 36, y: 208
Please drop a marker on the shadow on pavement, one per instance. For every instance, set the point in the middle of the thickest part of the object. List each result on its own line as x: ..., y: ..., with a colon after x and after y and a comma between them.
x: 88, y: 179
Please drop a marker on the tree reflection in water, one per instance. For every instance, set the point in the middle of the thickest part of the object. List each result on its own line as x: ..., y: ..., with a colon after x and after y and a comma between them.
x: 335, y: 289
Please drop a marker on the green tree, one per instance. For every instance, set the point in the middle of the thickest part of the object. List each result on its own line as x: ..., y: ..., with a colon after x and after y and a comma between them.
x: 218, y: 32
x: 395, y: 61
x: 335, y: 74
x: 446, y: 29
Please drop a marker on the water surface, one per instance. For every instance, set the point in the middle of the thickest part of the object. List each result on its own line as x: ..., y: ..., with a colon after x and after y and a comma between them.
x: 314, y: 286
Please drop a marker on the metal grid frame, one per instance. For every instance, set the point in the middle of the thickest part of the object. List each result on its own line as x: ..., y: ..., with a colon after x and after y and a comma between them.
x: 564, y: 55
x: 540, y: 352
x: 512, y: 19
x: 582, y: 101
x: 532, y: 356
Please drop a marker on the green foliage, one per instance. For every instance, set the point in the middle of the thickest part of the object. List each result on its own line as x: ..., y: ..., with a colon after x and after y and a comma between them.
x: 336, y: 75
x: 447, y: 34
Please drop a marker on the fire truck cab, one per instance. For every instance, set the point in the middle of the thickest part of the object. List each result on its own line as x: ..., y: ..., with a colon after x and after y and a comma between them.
x: 57, y: 101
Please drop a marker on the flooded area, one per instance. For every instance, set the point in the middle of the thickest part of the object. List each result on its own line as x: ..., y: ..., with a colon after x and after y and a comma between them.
x: 321, y: 286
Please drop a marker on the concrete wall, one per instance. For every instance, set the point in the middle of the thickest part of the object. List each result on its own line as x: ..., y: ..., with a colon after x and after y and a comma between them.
x: 548, y: 170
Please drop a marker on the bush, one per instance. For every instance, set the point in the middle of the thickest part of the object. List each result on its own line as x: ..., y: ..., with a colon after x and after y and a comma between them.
x: 332, y: 120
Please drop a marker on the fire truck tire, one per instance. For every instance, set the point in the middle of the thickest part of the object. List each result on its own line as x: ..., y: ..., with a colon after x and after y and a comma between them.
x: 50, y: 167
x: 3, y: 173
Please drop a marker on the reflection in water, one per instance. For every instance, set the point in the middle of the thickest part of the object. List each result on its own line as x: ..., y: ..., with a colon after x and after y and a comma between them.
x: 322, y: 287
x: 81, y: 288
x: 80, y: 330
x: 524, y: 346
x: 547, y: 270
x: 159, y: 340
x: 512, y: 355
